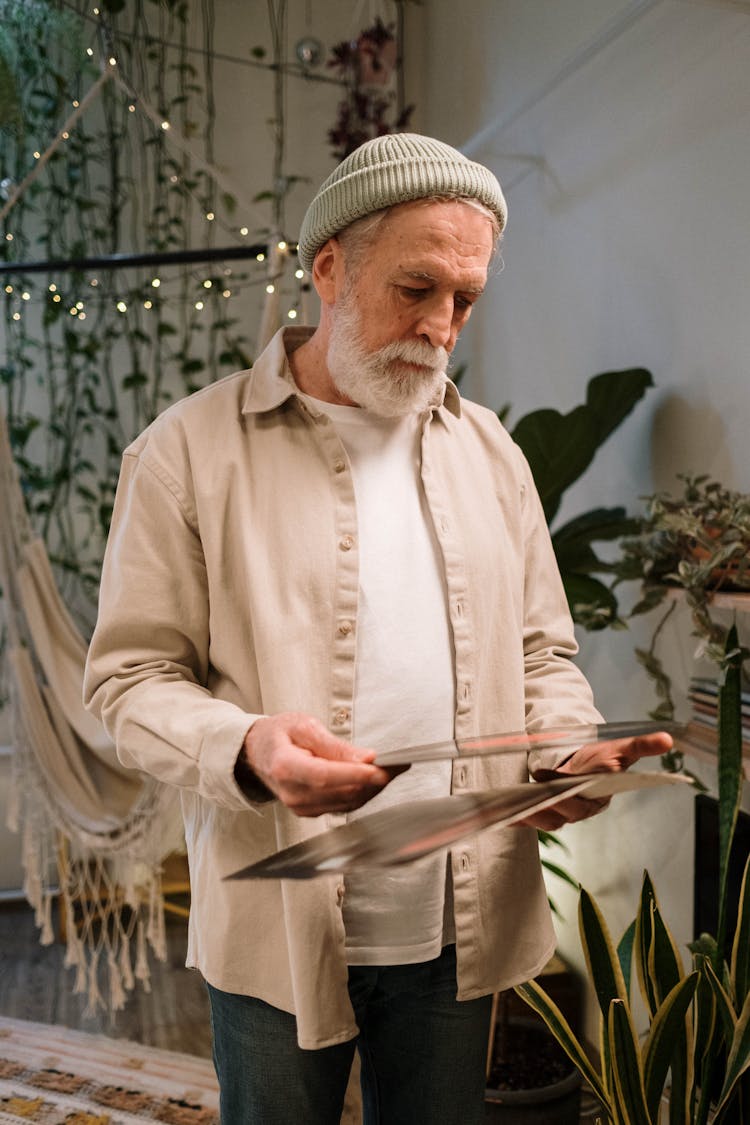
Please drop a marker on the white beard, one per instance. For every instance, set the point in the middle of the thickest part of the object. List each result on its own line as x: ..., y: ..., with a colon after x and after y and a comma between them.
x: 378, y: 381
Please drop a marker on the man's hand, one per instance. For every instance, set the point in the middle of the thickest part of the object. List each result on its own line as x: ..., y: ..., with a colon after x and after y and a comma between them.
x: 308, y: 769
x: 595, y: 757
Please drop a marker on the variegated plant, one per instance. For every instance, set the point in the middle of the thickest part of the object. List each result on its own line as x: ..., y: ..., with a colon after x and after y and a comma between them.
x: 698, y: 1032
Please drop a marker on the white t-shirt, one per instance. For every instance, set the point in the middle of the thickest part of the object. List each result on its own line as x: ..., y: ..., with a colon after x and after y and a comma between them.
x: 404, y: 678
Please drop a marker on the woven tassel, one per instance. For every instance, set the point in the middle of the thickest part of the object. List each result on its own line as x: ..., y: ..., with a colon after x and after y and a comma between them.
x: 126, y: 969
x: 116, y: 991
x: 141, y: 958
x: 47, y: 935
x: 94, y: 999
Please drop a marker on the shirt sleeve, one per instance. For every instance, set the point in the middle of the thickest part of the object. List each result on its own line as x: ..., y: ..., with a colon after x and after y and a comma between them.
x: 148, y: 663
x: 556, y: 691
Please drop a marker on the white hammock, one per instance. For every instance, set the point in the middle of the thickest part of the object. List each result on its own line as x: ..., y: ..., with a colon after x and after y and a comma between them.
x: 108, y: 829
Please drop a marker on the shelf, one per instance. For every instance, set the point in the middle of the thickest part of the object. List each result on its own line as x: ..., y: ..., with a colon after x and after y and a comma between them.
x: 722, y: 599
x: 699, y: 741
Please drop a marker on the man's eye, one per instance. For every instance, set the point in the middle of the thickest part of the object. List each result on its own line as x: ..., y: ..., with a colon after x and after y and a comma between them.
x: 409, y: 291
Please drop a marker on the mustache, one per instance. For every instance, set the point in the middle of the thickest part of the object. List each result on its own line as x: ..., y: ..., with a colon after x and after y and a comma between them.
x: 415, y: 351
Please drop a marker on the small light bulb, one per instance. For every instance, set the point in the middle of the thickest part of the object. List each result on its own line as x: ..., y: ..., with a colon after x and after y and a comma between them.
x: 76, y: 103
x: 281, y: 245
x: 292, y: 314
x: 122, y: 307
x: 174, y: 179
x: 89, y: 51
x: 131, y: 108
x: 65, y: 136
x: 74, y: 311
x: 299, y: 273
x: 147, y: 305
x: 270, y: 289
x: 112, y: 60
x: 207, y: 284
x: 165, y: 125
x: 199, y: 305
x: 26, y: 296
x: 57, y: 298
x: 93, y: 282
x: 227, y: 293
x: 37, y: 155
x: 210, y: 216
x: 260, y: 257
x: 9, y: 237
x: 16, y: 316
x: 82, y: 316
x: 156, y: 282
x: 8, y: 288
x: 243, y: 231
x: 53, y: 288
x: 79, y: 305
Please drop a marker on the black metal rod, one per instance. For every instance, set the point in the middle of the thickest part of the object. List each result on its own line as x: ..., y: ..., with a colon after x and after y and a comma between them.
x: 128, y: 261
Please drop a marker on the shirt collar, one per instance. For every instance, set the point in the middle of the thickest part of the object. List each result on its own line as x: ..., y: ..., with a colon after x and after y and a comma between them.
x: 271, y: 381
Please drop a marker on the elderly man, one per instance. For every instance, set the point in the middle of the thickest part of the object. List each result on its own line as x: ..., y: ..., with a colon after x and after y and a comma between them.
x: 325, y: 556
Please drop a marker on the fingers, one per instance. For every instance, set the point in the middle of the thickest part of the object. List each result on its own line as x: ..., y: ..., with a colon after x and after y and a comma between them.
x: 309, y: 769
x: 566, y: 812
x: 617, y: 755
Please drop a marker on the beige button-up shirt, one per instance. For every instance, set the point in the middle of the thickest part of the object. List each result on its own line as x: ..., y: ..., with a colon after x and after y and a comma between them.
x: 229, y: 591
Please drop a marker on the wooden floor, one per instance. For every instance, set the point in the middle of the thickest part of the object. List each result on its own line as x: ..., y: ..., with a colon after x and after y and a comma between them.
x: 35, y: 985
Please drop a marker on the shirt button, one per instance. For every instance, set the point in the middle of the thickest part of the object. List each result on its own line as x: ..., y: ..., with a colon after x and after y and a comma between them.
x: 345, y: 628
x: 339, y: 466
x: 346, y: 542
x: 340, y: 718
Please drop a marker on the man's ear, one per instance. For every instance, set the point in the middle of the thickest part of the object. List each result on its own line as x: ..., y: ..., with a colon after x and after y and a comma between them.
x: 328, y: 271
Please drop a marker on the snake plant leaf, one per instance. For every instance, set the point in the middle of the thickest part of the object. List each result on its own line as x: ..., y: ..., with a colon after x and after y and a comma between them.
x: 627, y: 1068
x: 560, y: 447
x: 705, y: 1020
x: 665, y: 962
x: 601, y: 955
x: 730, y: 773
x: 740, y: 965
x: 724, y: 1007
x: 666, y: 1037
x: 644, y: 934
x: 537, y: 998
x: 739, y: 1058
x: 625, y: 953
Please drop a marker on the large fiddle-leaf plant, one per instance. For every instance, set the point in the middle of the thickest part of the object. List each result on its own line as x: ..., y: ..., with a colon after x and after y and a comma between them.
x: 559, y: 449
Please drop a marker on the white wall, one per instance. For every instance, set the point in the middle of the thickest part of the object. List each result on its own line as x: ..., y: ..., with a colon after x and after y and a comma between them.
x: 621, y: 132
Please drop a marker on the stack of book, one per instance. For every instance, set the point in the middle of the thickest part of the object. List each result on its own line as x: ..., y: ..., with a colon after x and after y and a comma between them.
x: 703, y: 694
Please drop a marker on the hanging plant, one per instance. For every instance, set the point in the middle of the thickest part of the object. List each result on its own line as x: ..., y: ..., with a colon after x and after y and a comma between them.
x: 367, y: 65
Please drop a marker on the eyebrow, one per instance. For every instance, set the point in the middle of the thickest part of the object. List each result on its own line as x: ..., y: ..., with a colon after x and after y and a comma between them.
x: 423, y: 275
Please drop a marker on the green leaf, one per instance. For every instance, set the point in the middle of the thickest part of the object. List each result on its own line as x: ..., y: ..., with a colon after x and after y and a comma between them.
x: 560, y: 447
x: 601, y: 956
x: 625, y: 953
x: 741, y: 947
x: 730, y: 772
x: 537, y: 998
x: 627, y: 1067
x: 591, y: 603
x: 739, y: 1056
x: 668, y: 1034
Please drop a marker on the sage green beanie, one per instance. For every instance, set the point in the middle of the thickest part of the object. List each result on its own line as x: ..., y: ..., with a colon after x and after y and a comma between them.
x: 396, y: 168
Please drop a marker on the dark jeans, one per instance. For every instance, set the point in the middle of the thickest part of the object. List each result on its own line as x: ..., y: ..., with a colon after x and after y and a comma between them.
x: 422, y: 1053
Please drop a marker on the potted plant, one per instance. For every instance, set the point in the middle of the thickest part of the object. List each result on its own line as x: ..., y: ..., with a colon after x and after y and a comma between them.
x: 529, y: 1078
x: 697, y: 542
x: 698, y: 1020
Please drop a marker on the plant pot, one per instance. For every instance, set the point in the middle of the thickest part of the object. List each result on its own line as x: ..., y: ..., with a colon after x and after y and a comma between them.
x: 556, y: 1102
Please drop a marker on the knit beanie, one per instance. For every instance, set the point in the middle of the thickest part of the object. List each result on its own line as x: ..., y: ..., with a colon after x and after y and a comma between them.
x: 396, y: 168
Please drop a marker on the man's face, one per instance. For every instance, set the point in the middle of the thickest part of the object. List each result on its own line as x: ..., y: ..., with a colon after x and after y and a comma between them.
x: 398, y: 314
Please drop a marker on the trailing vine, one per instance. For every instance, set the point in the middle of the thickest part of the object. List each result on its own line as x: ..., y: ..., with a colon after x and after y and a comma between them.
x: 89, y: 358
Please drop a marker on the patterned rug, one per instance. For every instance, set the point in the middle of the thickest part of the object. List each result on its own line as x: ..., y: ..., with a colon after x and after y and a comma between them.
x: 55, y: 1076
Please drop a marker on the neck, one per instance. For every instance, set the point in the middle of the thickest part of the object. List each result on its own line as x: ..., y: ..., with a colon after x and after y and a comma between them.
x: 309, y: 366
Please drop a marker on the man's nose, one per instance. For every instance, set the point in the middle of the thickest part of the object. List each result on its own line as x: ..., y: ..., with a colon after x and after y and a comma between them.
x: 436, y: 325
